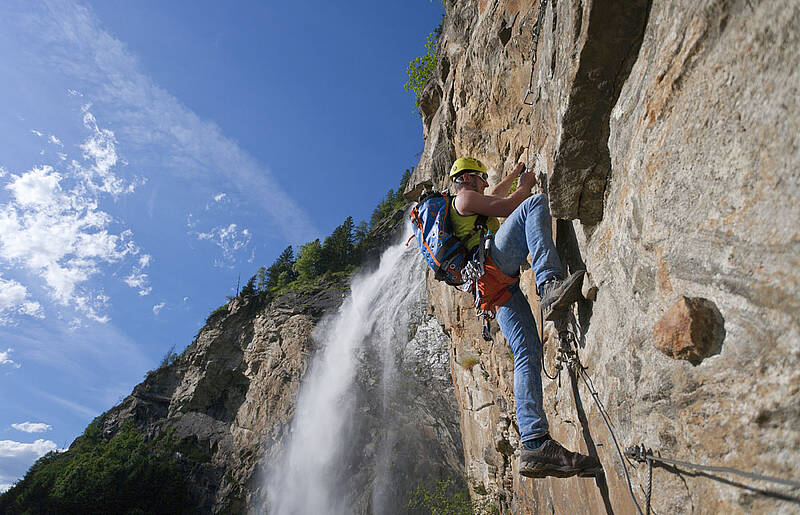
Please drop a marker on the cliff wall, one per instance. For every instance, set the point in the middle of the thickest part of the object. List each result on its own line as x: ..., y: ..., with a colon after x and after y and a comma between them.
x: 666, y: 133
x: 228, y: 401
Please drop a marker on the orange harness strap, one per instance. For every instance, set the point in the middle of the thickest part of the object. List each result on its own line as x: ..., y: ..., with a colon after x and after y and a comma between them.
x: 494, y: 286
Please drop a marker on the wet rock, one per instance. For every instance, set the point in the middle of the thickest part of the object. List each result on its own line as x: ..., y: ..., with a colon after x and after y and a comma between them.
x: 692, y: 329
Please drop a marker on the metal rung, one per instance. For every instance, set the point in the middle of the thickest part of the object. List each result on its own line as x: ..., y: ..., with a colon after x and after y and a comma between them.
x: 528, y: 93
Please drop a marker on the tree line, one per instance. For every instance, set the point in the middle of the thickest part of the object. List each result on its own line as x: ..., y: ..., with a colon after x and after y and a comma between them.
x: 342, y: 251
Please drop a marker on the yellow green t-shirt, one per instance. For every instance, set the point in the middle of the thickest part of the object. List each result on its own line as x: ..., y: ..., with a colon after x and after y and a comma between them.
x: 463, y: 225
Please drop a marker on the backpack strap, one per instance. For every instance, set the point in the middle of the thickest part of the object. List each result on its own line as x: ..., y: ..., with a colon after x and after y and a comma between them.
x: 480, y: 228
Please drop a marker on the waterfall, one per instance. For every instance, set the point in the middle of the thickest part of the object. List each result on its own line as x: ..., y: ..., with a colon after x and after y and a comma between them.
x: 351, y: 430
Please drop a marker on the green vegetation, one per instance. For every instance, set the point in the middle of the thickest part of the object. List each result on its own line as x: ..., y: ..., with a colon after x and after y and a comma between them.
x: 124, y: 474
x: 420, y: 69
x: 166, y: 360
x: 446, y: 498
x: 129, y: 474
x: 330, y: 261
x: 469, y: 361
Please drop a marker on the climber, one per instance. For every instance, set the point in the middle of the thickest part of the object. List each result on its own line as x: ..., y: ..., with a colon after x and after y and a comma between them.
x: 526, y: 230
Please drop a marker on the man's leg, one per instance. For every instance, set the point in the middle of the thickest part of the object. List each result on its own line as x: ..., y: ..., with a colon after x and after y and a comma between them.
x: 529, y: 230
x: 519, y: 327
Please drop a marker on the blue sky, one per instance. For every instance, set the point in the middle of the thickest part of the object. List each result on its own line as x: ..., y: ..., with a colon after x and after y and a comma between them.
x: 150, y: 153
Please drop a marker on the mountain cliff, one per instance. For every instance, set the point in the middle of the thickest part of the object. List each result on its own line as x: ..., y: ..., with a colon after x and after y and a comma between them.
x: 215, y: 429
x: 665, y: 133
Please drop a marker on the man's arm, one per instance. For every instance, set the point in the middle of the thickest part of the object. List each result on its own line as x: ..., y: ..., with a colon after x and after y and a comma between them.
x: 473, y: 203
x: 501, y: 188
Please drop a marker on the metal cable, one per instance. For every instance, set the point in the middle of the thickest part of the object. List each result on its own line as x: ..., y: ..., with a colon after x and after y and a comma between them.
x: 640, y: 454
x: 595, y: 396
x: 649, y: 485
x: 535, y: 34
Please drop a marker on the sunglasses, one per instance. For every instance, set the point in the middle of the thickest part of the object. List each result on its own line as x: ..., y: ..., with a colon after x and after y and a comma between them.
x: 482, y: 175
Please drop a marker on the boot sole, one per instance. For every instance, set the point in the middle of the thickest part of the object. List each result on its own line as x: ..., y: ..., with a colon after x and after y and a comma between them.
x: 571, y: 293
x: 559, y: 472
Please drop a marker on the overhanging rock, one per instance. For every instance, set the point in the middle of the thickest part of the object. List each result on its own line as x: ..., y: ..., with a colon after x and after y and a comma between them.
x: 609, y: 43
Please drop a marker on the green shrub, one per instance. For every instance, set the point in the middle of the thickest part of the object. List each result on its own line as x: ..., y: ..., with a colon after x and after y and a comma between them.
x: 441, y: 498
x: 220, y: 310
x: 469, y: 361
x: 124, y: 474
x: 420, y: 69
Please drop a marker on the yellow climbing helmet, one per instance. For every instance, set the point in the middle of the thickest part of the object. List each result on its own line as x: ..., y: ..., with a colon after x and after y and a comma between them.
x: 467, y: 164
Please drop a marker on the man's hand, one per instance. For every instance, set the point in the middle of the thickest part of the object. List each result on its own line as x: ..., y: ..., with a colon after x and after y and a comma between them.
x: 526, y: 180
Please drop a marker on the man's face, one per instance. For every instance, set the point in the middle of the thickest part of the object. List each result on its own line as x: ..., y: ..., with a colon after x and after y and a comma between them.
x: 476, y: 181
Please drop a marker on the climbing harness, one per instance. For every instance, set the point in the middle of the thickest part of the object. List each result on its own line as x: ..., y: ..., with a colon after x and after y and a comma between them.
x: 492, y: 289
x: 452, y: 262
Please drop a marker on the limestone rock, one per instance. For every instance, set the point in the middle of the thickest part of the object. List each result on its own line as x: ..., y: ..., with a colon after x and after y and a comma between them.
x: 668, y: 131
x: 692, y: 329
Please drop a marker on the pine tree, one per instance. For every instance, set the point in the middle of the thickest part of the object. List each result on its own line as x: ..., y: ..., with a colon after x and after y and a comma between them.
x: 309, y: 263
x: 261, y: 280
x: 337, y: 251
x: 249, y: 289
x: 281, y: 272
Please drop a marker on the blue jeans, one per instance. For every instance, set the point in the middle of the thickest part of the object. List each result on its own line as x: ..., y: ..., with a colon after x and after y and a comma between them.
x: 528, y: 230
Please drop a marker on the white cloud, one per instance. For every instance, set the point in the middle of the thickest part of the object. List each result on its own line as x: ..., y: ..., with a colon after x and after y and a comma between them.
x: 53, y: 226
x: 74, y: 93
x: 32, y: 427
x: 55, y: 141
x: 158, y: 307
x: 12, y: 449
x: 6, y: 360
x: 139, y: 279
x: 34, y: 131
x: 14, y: 301
x: 17, y: 457
x: 101, y: 148
x: 219, y: 198
x: 4, y: 487
x: 66, y: 38
x: 229, y: 239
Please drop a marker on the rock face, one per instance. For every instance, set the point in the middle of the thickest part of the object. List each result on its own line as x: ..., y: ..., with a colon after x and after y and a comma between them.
x: 668, y: 134
x: 231, y: 394
x: 229, y: 399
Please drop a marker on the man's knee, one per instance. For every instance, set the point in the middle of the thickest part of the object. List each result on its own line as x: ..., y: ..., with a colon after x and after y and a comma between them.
x: 536, y: 202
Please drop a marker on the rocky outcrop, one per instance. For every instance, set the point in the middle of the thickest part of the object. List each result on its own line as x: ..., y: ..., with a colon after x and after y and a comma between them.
x: 667, y: 131
x: 227, y: 403
x: 692, y: 329
x: 231, y: 394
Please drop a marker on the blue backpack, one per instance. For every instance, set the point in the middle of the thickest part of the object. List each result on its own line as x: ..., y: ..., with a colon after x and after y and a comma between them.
x: 446, y: 254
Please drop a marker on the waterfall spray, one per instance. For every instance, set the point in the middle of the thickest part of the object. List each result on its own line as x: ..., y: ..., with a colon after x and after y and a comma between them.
x: 338, y: 458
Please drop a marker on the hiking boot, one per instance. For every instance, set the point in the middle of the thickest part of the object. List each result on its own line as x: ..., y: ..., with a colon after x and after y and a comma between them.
x: 551, y: 459
x: 558, y: 294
